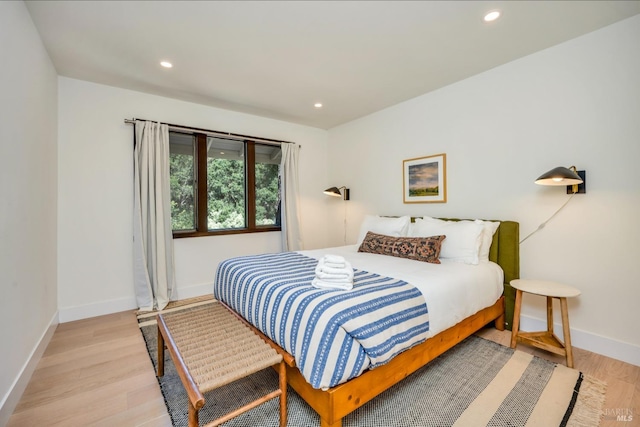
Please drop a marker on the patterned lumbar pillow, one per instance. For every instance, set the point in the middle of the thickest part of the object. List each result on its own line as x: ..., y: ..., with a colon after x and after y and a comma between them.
x: 425, y: 249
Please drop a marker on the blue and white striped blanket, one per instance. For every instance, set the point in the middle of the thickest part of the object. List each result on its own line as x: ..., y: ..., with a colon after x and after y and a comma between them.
x: 334, y: 335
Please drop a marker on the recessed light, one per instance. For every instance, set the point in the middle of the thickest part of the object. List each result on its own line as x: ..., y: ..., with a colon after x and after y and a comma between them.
x: 492, y: 16
x: 166, y: 64
x: 318, y: 105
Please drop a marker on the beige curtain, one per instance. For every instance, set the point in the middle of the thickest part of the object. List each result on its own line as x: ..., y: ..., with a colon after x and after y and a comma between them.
x: 153, y: 267
x: 290, y: 200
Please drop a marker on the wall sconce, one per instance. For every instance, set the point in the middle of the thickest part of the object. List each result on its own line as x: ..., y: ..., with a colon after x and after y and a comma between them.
x: 335, y: 192
x: 570, y: 177
x: 573, y: 179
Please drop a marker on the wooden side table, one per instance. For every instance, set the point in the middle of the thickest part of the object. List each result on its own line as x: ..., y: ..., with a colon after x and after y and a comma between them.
x: 545, y: 340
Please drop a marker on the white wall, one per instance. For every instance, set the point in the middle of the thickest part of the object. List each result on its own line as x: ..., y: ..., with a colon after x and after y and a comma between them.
x: 28, y: 168
x: 96, y: 194
x: 574, y: 104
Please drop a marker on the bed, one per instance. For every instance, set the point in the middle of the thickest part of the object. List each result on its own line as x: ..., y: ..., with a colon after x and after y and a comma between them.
x: 333, y: 395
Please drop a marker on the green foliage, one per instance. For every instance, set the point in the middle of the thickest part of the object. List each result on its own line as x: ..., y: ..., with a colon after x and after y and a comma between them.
x: 428, y: 191
x: 267, y: 195
x: 182, y: 192
x: 225, y: 193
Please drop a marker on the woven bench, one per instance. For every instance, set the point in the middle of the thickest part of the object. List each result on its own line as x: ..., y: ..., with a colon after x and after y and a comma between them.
x: 210, y: 347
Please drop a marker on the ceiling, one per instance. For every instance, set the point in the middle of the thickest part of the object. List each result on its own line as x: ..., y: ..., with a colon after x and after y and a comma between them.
x: 277, y: 58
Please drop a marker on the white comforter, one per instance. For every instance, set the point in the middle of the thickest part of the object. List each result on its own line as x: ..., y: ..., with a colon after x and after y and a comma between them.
x: 453, y: 290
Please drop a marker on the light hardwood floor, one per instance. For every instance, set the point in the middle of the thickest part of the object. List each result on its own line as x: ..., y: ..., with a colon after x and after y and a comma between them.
x: 96, y: 372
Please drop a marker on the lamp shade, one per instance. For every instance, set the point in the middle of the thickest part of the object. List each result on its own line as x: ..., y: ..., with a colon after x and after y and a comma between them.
x: 560, y: 176
x: 333, y: 191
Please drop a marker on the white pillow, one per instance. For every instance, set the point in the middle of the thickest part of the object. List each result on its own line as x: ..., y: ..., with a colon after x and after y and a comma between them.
x: 411, y: 229
x: 490, y: 228
x: 463, y: 237
x: 396, y: 227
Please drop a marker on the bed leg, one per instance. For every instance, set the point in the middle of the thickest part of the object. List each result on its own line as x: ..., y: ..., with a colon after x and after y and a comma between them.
x: 499, y: 322
x: 325, y: 423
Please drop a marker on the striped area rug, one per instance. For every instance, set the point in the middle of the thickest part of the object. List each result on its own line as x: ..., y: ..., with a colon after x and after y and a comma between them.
x: 477, y: 383
x: 146, y: 318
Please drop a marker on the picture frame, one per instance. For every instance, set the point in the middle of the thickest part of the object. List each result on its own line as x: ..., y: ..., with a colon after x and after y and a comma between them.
x: 425, y: 179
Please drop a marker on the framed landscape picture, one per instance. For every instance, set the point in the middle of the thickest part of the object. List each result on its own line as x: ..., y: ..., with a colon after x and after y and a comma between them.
x: 425, y: 179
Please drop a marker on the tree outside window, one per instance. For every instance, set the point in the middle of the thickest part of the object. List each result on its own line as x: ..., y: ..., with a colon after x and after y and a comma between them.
x: 239, y: 190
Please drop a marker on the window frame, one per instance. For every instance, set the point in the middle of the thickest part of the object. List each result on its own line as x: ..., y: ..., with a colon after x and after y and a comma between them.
x: 201, y: 205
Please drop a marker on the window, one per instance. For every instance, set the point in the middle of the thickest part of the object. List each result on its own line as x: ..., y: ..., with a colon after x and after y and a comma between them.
x: 223, y: 186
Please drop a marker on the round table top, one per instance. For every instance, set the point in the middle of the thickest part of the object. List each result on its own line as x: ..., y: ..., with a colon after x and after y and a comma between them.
x: 545, y: 288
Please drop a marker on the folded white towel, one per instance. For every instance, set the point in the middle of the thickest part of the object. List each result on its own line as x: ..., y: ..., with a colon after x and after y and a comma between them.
x: 342, y: 272
x: 335, y: 277
x: 325, y: 272
x: 346, y: 275
x: 323, y: 284
x: 333, y: 259
x: 334, y: 264
x: 333, y: 272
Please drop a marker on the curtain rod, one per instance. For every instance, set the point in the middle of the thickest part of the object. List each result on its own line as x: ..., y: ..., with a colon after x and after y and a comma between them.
x: 216, y: 133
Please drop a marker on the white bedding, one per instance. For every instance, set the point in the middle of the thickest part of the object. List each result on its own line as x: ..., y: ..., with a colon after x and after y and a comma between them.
x: 453, y: 290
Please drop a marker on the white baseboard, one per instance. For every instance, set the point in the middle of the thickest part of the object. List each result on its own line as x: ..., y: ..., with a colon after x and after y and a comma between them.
x: 69, y: 314
x: 11, y: 399
x: 609, y: 347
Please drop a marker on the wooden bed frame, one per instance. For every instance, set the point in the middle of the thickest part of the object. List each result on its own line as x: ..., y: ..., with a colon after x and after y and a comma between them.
x: 336, y: 402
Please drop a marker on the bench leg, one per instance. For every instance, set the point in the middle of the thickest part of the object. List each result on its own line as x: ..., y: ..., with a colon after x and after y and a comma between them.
x: 193, y: 415
x: 160, y: 353
x: 283, y: 396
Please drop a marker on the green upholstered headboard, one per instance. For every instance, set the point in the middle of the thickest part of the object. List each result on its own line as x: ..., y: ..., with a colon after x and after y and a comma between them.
x: 505, y: 251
